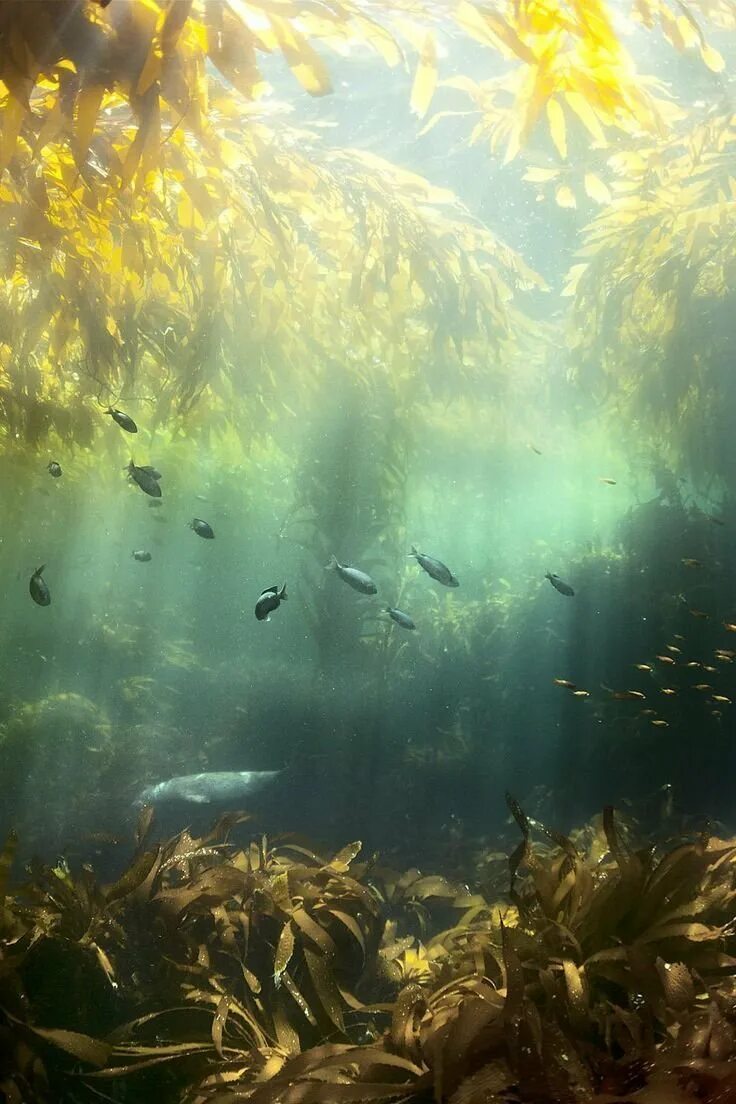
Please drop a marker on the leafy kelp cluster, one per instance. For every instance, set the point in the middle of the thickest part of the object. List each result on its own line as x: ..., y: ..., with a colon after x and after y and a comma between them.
x: 218, y: 971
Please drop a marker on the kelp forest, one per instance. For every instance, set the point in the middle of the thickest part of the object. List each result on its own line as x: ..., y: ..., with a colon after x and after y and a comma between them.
x: 368, y: 558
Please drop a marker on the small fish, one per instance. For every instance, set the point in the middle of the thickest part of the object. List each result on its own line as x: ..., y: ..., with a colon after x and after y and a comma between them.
x: 709, y: 669
x: 535, y: 449
x: 704, y: 686
x: 668, y: 690
x: 677, y: 636
x: 665, y: 659
x: 559, y: 585
x: 729, y: 627
x: 202, y: 529
x: 693, y: 663
x: 581, y: 693
x: 606, y: 479
x: 358, y: 580
x: 155, y: 503
x: 566, y: 683
x: 704, y: 616
x: 146, y: 478
x: 643, y: 667
x: 628, y: 695
x: 648, y: 713
x: 142, y: 557
x: 124, y: 420
x: 270, y: 600
x: 39, y: 592
x: 674, y: 649
x: 722, y: 698
x: 715, y: 520
x: 687, y: 562
x: 400, y: 618
x: 54, y: 468
x: 435, y: 568
x: 659, y: 723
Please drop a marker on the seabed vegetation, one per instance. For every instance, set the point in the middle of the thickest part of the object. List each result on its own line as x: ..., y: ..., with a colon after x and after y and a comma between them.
x: 214, y: 971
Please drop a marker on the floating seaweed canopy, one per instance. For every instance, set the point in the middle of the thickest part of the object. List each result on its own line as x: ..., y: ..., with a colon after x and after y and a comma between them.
x: 162, y: 236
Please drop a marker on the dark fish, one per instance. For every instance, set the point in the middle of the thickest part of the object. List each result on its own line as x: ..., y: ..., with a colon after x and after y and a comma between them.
x: 435, y: 568
x: 558, y: 584
x: 202, y: 529
x: 358, y: 580
x: 54, y: 468
x: 151, y: 470
x: 155, y: 504
x: 142, y: 557
x: 270, y: 600
x: 124, y: 420
x: 145, y: 479
x: 39, y: 591
x: 400, y: 618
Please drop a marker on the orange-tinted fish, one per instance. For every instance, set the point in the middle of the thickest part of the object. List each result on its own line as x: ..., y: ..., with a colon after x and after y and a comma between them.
x: 566, y: 683
x: 688, y: 562
x: 665, y: 659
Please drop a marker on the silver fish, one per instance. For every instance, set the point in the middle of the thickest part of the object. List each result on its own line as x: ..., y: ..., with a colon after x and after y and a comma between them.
x: 435, y: 568
x: 358, y: 580
x: 210, y: 788
x: 142, y: 556
x: 400, y: 618
x: 270, y: 600
x: 559, y: 584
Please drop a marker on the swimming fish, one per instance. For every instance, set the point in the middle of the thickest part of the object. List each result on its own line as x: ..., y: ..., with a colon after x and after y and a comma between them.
x: 400, y: 618
x: 270, y: 600
x: 213, y: 787
x: 687, y: 562
x: 608, y: 480
x: 146, y: 477
x: 558, y: 584
x: 142, y: 557
x: 358, y: 580
x: 124, y: 420
x: 202, y: 529
x: 565, y: 682
x: 435, y: 568
x: 39, y: 592
x: 54, y: 468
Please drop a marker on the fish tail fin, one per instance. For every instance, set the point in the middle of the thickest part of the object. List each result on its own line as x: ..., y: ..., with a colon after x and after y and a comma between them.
x: 548, y: 575
x: 282, y: 594
x: 332, y: 564
x: 413, y: 552
x: 40, y: 570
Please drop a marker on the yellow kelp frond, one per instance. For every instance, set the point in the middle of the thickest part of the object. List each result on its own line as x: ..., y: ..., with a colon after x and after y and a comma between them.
x: 573, y: 69
x: 651, y: 286
x: 681, y: 23
x: 252, y: 256
x: 160, y: 57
